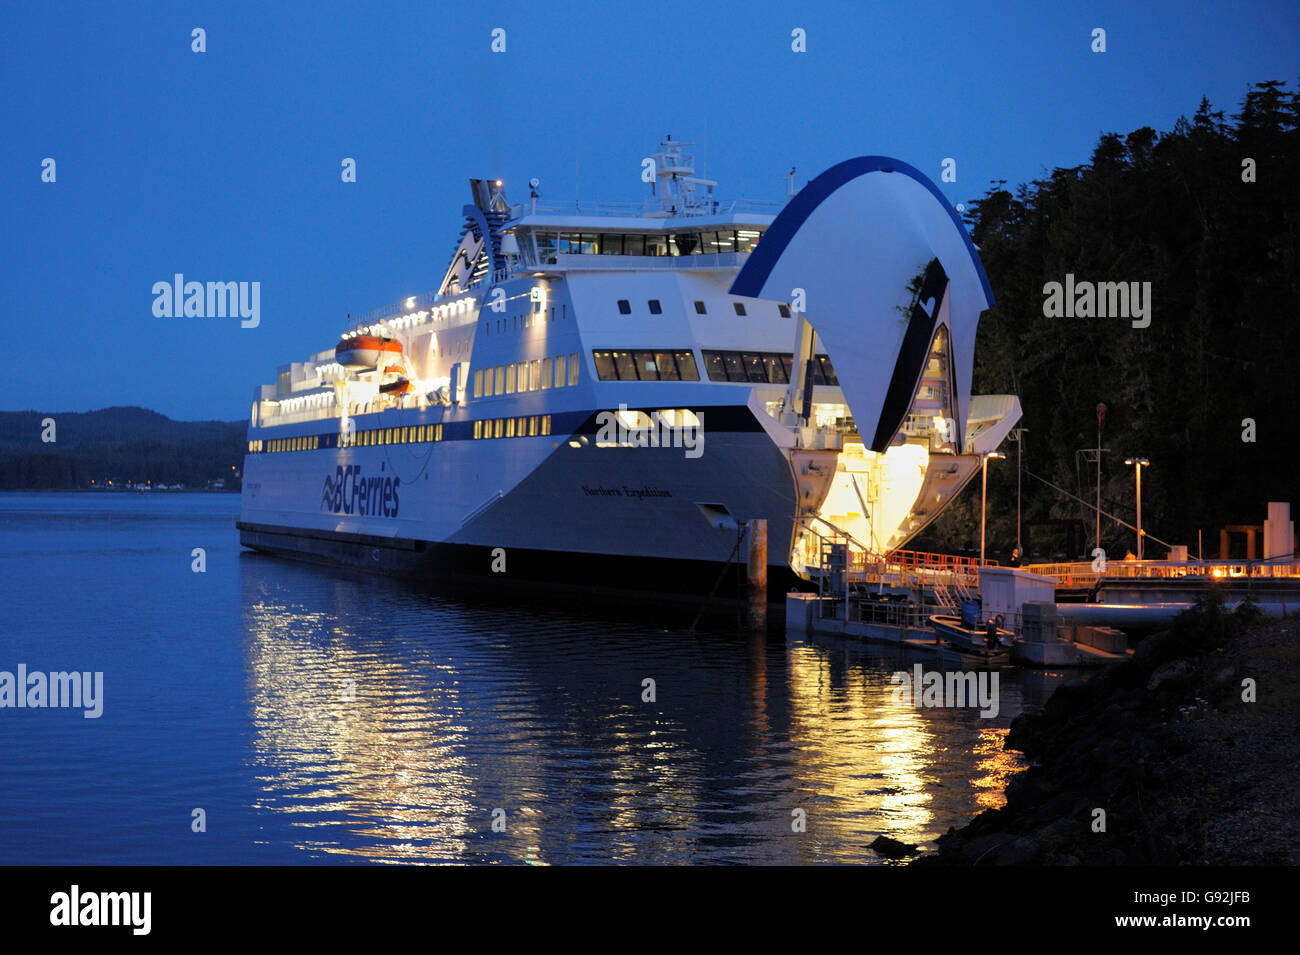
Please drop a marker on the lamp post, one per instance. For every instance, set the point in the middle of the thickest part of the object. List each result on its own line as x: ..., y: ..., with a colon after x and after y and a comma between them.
x: 1138, y: 464
x: 1019, y: 435
x: 984, y: 494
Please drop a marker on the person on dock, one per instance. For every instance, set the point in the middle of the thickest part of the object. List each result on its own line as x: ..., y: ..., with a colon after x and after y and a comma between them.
x: 991, y: 634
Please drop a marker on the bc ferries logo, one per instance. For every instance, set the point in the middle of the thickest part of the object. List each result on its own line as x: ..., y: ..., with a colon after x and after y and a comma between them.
x: 351, y: 492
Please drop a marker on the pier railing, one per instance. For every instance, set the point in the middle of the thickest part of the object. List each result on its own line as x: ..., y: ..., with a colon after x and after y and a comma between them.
x: 1082, y: 573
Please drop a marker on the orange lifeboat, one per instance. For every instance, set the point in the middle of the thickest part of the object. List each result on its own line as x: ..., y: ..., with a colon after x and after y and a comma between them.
x: 366, y: 351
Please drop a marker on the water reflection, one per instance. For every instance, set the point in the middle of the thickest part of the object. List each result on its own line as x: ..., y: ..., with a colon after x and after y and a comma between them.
x: 389, y: 724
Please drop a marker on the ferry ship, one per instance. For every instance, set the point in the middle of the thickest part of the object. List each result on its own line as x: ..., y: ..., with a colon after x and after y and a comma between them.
x: 607, y: 394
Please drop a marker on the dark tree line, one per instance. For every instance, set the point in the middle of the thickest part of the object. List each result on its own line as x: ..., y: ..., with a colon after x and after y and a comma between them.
x: 1174, y: 209
x: 118, y: 444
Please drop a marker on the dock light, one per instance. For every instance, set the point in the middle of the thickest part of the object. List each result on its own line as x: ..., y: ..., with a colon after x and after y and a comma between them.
x: 410, y: 302
x: 984, y: 493
x: 1137, y: 464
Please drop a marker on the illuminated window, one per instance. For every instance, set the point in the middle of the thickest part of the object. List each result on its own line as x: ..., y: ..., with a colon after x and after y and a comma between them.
x: 559, y: 371
x: 535, y: 375
x: 510, y: 379
x: 546, y: 424
x: 499, y: 426
x: 437, y: 433
x: 532, y: 426
x: 546, y: 373
x: 478, y: 383
x: 521, y: 426
x: 510, y: 427
x: 478, y: 429
x: 501, y: 381
x: 573, y: 368
x: 605, y: 369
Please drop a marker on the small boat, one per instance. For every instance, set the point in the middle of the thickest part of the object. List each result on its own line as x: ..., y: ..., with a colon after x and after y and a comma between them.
x: 401, y: 386
x: 366, y: 351
x: 972, y: 641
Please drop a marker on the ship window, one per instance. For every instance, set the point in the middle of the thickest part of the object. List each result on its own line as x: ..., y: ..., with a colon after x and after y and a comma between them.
x: 828, y: 371
x: 501, y: 381
x: 739, y: 307
x: 625, y: 365
x: 535, y: 375
x: 775, y: 369
x: 498, y: 427
x: 708, y: 242
x: 437, y: 433
x: 655, y: 308
x: 510, y: 427
x: 546, y: 373
x: 525, y: 379
x: 754, y: 370
x: 688, y: 243
x: 605, y: 370
x: 714, y: 365
x: 559, y: 371
x: 645, y: 366
x: 573, y: 368
x: 787, y: 363
x: 532, y: 426
x: 686, y: 366
x: 634, y: 245
x: 735, y: 367
x: 783, y: 309
x: 746, y: 239
x: 521, y: 427
x: 546, y: 424
x: 655, y: 245
x: 700, y: 309
x: 611, y: 244
x: 510, y: 379
x: 478, y: 429
x: 624, y: 307
x: 726, y: 241
x: 818, y: 375
x: 478, y: 383
x: 667, y: 367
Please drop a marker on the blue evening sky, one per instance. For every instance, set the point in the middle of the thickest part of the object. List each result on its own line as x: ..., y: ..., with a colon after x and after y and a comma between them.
x: 225, y: 165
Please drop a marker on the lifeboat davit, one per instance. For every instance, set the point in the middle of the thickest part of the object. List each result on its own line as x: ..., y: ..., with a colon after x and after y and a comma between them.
x: 401, y: 386
x: 366, y: 351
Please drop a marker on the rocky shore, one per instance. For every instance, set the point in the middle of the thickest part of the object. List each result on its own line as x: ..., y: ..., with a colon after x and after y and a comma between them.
x: 1169, y: 746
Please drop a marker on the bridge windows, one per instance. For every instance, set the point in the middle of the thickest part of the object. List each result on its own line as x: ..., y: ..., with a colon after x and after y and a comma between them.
x: 661, y: 365
x: 763, y: 368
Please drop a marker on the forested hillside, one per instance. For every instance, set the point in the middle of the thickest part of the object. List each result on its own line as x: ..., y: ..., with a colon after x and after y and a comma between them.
x: 1209, y: 214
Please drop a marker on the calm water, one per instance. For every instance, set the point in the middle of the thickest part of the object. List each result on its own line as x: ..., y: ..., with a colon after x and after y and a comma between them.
x: 228, y: 691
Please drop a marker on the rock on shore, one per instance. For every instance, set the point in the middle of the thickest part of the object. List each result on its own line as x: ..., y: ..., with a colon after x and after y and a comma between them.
x: 1185, y: 768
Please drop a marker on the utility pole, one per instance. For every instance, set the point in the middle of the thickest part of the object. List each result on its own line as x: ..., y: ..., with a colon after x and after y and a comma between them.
x: 1101, y: 419
x: 1019, y: 435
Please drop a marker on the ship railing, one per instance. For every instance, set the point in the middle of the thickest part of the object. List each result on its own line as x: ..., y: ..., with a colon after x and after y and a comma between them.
x: 712, y: 260
x: 649, y: 208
